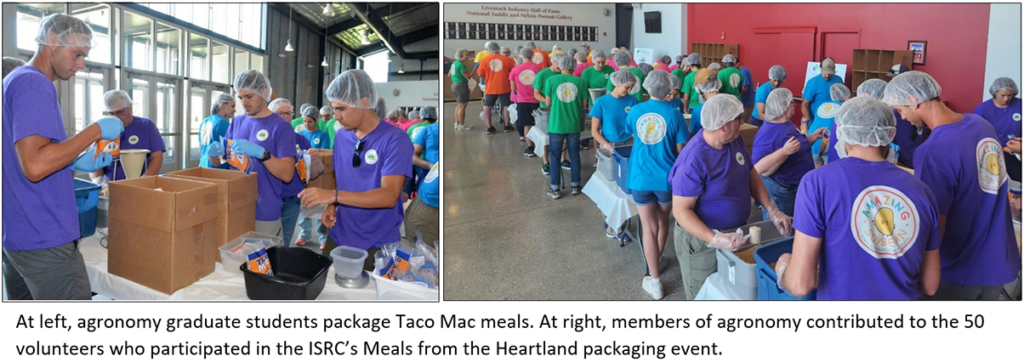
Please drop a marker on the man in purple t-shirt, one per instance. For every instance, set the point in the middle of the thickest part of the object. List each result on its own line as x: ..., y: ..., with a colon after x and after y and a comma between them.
x: 962, y: 162
x: 139, y: 134
x: 871, y: 227
x: 268, y: 141
x: 372, y: 163
x: 41, y: 258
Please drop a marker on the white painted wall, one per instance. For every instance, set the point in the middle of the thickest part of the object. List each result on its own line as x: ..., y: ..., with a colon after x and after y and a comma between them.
x: 411, y: 93
x: 672, y: 39
x: 571, y: 14
x: 1003, y: 56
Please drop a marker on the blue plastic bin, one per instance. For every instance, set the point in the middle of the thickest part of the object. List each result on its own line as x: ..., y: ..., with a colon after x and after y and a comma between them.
x: 767, y: 281
x: 87, y: 195
x: 621, y: 156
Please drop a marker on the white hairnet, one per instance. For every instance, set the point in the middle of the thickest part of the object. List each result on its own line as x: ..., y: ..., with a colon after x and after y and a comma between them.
x: 646, y: 68
x: 839, y: 92
x: 694, y: 59
x: 557, y: 58
x: 381, y: 109
x: 573, y: 51
x: 116, y: 100
x: 396, y: 114
x: 865, y: 121
x: 503, y: 49
x: 526, y: 53
x: 622, y: 58
x: 517, y: 49
x: 255, y: 82
x: 680, y: 58
x: 997, y: 85
x: 665, y: 59
x: 614, y: 51
x: 428, y: 112
x: 728, y: 58
x: 708, y: 87
x: 658, y: 83
x: 777, y: 72
x: 221, y: 100
x: 598, y: 54
x: 310, y: 111
x: 676, y: 82
x: 874, y: 88
x: 459, y: 53
x: 911, y: 88
x: 556, y: 48
x: 718, y: 111
x: 566, y: 63
x: 777, y: 103
x: 350, y: 87
x: 493, y: 47
x: 278, y: 103
x: 67, y: 31
x: 326, y: 110
x: 686, y: 61
x: 714, y: 66
x: 531, y: 44
x: 622, y: 77
x: 414, y: 114
x: 10, y: 63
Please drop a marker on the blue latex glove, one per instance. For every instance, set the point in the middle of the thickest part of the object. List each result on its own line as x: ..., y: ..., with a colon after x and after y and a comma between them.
x: 86, y: 162
x: 247, y: 148
x: 216, y: 149
x: 111, y: 127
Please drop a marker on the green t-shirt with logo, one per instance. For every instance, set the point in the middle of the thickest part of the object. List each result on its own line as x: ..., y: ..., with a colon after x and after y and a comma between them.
x: 331, y: 127
x: 597, y: 78
x: 538, y: 83
x: 567, y: 93
x: 458, y: 69
x: 732, y: 81
x: 298, y: 122
x: 688, y: 88
x: 637, y: 91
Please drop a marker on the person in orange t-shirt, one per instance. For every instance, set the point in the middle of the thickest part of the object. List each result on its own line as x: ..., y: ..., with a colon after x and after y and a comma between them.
x: 540, y: 57
x: 495, y: 69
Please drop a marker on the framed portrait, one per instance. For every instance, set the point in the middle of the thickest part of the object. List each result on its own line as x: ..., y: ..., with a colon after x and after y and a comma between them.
x: 920, y: 49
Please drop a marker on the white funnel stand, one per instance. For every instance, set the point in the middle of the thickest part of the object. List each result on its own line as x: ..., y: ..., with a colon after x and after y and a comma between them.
x: 595, y: 93
x: 132, y: 161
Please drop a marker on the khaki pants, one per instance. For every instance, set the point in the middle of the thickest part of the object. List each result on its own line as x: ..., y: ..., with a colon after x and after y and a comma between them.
x: 424, y: 219
x: 696, y: 260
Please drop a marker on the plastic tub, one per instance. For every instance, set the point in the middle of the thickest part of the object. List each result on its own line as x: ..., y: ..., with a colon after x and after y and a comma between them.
x: 739, y: 275
x: 621, y: 157
x: 231, y: 254
x: 87, y: 199
x: 767, y: 281
x: 348, y: 261
x: 605, y: 165
x: 299, y: 274
x: 388, y: 289
x: 540, y: 119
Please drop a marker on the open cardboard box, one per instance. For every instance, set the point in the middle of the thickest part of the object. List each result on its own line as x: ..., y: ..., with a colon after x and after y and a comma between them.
x: 327, y: 180
x: 236, y: 201
x: 161, y: 231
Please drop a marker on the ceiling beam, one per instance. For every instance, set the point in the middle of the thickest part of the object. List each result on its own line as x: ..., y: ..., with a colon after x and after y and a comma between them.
x: 366, y: 14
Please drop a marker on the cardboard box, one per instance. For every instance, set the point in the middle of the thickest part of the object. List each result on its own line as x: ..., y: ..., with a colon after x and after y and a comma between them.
x: 327, y: 180
x: 747, y: 133
x: 162, y: 231
x: 236, y: 201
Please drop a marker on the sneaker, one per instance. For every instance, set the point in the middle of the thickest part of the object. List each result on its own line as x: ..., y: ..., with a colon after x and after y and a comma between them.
x: 650, y: 288
x: 467, y: 127
x: 610, y: 233
x: 545, y: 169
x: 491, y: 130
x: 529, y: 153
x: 322, y: 245
x: 300, y: 242
x: 554, y: 194
x: 575, y: 190
x: 566, y: 165
x: 510, y: 129
x: 522, y: 139
x: 585, y: 147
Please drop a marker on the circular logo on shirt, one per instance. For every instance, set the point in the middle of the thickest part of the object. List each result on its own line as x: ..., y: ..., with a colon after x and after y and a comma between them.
x: 991, y: 166
x: 316, y: 141
x: 299, y: 128
x: 628, y: 108
x: 827, y: 110
x: 262, y: 135
x: 567, y: 92
x: 298, y: 150
x: 605, y: 75
x: 651, y: 128
x: 206, y: 133
x: 538, y: 58
x: 371, y: 157
x: 740, y: 159
x: 885, y: 222
x: 1016, y: 117
x: 337, y: 126
x: 527, y: 77
x: 417, y: 131
x: 495, y: 65
x: 734, y: 80
x: 432, y: 175
x: 133, y: 139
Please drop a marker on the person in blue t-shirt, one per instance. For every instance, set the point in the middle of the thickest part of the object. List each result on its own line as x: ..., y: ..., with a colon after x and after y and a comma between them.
x: 608, y: 116
x: 706, y: 84
x: 816, y: 91
x: 317, y: 138
x: 213, y: 128
x: 824, y: 118
x: 776, y: 75
x: 746, y: 92
x: 426, y: 148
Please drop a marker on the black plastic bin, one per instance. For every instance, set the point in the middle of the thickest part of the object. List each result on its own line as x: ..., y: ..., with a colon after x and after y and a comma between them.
x: 299, y: 274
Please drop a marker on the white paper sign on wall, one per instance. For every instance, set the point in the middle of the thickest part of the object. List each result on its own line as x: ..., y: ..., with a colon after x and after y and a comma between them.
x: 814, y: 68
x: 643, y: 55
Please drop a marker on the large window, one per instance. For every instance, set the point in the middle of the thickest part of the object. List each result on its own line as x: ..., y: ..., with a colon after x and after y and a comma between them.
x: 376, y: 66
x: 199, y: 57
x: 98, y: 18
x: 168, y: 49
x: 242, y: 22
x: 138, y: 42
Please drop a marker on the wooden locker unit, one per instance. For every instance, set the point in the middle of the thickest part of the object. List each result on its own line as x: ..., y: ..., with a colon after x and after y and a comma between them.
x: 875, y: 63
x: 714, y: 52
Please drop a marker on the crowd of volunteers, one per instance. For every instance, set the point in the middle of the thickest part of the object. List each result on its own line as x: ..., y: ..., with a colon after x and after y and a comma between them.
x: 837, y: 180
x: 374, y: 159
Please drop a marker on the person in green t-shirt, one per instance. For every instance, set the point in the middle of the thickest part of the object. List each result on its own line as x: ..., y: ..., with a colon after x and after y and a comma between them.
x: 732, y: 78
x: 622, y: 60
x: 460, y: 85
x: 543, y: 75
x: 683, y: 70
x: 596, y: 76
x: 325, y: 115
x: 328, y: 119
x: 566, y: 95
x: 690, y: 100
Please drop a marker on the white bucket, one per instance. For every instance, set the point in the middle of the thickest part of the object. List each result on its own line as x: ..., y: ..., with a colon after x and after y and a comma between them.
x: 132, y: 161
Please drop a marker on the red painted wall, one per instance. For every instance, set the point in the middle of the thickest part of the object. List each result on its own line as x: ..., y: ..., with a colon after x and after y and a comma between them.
x: 956, y: 33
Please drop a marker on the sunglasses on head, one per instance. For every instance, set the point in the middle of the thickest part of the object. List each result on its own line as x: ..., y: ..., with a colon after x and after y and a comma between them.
x: 356, y: 157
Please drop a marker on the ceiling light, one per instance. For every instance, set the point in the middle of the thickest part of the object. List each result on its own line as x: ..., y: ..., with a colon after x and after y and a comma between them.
x: 288, y: 47
x: 329, y: 10
x: 401, y: 70
x: 366, y: 37
x: 324, y: 63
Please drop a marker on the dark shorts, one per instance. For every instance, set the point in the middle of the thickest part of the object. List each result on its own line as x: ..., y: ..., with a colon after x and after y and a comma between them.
x: 461, y: 92
x: 505, y: 99
x: 644, y: 198
x: 525, y: 111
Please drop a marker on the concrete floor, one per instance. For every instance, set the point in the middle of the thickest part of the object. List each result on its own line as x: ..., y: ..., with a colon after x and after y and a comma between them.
x: 505, y: 239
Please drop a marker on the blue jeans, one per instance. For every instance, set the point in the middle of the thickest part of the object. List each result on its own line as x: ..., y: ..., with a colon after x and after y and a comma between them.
x: 289, y: 216
x: 783, y: 195
x: 556, y: 141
